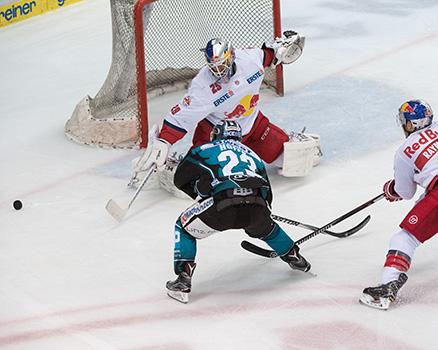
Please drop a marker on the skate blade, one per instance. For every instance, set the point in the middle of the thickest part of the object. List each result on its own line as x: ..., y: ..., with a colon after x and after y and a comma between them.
x: 305, y: 270
x: 182, y: 297
x: 381, y: 304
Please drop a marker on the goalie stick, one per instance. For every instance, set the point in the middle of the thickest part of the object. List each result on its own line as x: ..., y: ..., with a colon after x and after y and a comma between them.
x: 341, y: 234
x: 272, y: 254
x: 118, y: 212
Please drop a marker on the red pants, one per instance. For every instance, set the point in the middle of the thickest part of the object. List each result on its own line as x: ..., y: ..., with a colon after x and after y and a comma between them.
x: 422, y: 220
x: 264, y: 138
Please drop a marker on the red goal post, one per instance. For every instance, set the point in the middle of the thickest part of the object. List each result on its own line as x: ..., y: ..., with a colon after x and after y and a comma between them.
x: 156, y: 49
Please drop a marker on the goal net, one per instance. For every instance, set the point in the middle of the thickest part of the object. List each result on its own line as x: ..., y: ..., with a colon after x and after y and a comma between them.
x: 156, y: 49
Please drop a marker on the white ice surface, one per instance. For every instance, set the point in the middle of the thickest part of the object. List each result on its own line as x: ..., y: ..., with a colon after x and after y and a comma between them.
x: 72, y: 278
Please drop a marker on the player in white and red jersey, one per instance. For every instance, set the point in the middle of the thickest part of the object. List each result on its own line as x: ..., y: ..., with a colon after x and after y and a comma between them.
x: 227, y: 88
x: 415, y: 164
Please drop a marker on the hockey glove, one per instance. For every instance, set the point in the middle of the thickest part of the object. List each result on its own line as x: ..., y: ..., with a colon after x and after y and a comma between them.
x: 158, y: 155
x: 389, y: 191
x: 155, y: 153
x: 288, y: 48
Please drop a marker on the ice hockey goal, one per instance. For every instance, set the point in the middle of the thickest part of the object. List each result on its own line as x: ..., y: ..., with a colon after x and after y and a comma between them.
x: 155, y: 50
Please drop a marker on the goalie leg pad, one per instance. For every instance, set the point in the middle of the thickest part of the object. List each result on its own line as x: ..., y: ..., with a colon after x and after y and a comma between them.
x: 167, y: 173
x: 300, y: 155
x: 138, y: 177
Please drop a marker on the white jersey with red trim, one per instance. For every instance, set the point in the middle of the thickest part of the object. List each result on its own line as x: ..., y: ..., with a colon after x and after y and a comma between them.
x: 234, y: 99
x: 415, y: 162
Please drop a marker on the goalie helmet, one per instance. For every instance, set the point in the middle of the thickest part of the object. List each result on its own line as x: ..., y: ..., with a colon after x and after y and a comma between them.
x: 418, y: 113
x: 219, y: 55
x: 225, y: 130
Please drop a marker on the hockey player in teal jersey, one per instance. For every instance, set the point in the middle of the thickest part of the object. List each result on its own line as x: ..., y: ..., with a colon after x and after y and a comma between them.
x: 235, y: 193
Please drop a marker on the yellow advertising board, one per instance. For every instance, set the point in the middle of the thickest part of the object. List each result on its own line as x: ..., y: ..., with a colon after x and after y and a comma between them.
x: 12, y: 11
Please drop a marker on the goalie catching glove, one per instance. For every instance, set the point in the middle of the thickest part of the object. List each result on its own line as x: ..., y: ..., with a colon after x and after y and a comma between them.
x: 288, y: 48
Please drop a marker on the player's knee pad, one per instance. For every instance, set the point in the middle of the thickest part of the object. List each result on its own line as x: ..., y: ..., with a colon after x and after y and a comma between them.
x: 260, y: 229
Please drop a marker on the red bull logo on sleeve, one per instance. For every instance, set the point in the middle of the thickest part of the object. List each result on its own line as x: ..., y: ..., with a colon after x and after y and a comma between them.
x: 244, y: 108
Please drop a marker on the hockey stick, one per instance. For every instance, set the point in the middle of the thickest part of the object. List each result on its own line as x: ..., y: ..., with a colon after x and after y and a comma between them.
x: 342, y: 234
x: 272, y: 254
x: 118, y: 212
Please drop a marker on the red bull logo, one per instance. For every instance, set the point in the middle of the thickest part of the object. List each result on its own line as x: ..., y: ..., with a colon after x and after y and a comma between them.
x: 244, y: 108
x: 407, y: 108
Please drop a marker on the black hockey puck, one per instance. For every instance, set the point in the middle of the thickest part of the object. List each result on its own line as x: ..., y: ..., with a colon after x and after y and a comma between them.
x: 17, y: 205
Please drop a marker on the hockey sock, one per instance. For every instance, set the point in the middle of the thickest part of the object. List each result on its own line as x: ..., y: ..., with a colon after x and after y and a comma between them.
x: 278, y: 240
x: 185, y: 246
x: 398, y: 259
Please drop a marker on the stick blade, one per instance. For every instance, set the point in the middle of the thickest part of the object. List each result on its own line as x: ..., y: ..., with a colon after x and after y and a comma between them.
x: 258, y: 250
x: 115, y: 210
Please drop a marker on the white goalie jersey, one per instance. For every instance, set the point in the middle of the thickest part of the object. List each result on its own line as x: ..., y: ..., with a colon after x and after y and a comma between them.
x: 236, y: 99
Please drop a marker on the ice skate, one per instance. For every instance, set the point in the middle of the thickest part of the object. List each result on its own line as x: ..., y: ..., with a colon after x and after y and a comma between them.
x: 382, y: 296
x: 295, y: 260
x: 180, y: 288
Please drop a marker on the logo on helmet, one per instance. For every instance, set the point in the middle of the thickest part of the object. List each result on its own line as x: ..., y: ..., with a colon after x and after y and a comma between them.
x: 415, y: 115
x: 226, y: 129
x: 406, y: 108
x: 219, y: 55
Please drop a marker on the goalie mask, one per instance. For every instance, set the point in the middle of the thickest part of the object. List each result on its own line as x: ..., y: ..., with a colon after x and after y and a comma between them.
x: 220, y: 57
x: 418, y: 113
x: 225, y: 130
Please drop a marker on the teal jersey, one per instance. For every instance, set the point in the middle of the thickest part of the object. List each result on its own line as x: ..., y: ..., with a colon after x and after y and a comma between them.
x: 221, y: 165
